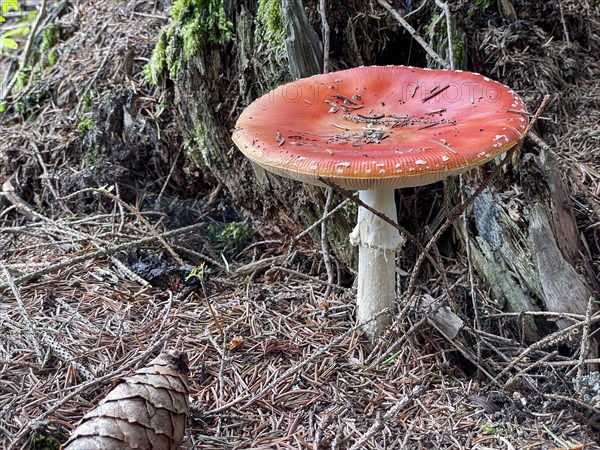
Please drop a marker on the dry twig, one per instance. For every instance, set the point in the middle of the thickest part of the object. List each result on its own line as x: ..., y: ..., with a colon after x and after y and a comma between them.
x: 437, y: 58
x: 325, y: 33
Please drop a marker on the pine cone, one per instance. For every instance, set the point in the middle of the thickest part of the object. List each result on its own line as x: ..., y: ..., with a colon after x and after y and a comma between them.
x: 147, y: 410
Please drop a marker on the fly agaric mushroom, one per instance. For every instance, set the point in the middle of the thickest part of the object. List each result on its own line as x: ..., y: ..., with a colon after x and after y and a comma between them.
x: 376, y: 129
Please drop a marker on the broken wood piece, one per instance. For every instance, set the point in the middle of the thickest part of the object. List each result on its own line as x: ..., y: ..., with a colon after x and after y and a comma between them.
x: 259, y: 266
x: 441, y: 316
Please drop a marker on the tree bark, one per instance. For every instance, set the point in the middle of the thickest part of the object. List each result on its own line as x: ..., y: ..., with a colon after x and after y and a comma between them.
x: 217, y: 83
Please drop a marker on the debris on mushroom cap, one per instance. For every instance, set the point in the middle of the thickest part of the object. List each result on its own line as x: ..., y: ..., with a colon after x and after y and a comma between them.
x: 381, y: 127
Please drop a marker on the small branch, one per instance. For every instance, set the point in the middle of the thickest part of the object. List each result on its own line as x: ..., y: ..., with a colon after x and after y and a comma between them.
x: 592, y: 361
x: 393, y: 348
x: 437, y: 58
x: 325, y: 245
x: 444, y: 6
x: 585, y: 340
x: 564, y: 23
x: 169, y: 175
x: 46, y: 177
x: 295, y: 369
x: 325, y: 31
x: 291, y: 371
x: 24, y: 314
x: 552, y: 314
x: 591, y: 198
x: 89, y: 84
x: 553, y: 339
x: 67, y: 357
x: 300, y: 275
x: 139, y: 216
x: 539, y: 141
x: 576, y: 401
x: 316, y: 224
x: 477, y: 322
x: 221, y: 379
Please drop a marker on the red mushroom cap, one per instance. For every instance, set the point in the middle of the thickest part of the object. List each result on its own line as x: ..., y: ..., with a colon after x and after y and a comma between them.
x: 381, y: 127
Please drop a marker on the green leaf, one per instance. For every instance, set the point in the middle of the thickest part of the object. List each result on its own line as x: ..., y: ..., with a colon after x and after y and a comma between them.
x: 7, y: 5
x: 13, y: 32
x: 8, y: 43
x: 2, y: 19
x: 23, y: 28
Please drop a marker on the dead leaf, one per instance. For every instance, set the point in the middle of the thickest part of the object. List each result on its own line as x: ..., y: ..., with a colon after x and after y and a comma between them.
x: 237, y: 343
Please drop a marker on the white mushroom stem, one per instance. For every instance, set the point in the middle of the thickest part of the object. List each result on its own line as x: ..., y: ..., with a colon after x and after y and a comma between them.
x: 378, y: 242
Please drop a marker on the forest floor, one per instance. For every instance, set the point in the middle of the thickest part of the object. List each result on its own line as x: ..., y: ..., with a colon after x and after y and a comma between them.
x: 97, y: 276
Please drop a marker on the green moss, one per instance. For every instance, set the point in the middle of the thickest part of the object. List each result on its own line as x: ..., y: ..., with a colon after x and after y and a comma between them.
x: 460, y: 50
x: 193, y: 24
x: 154, y: 69
x: 91, y: 157
x: 494, y: 429
x: 210, y: 18
x: 42, y: 441
x: 23, y: 79
x: 430, y: 27
x: 87, y: 100
x: 200, y: 146
x: 270, y: 24
x: 191, y: 38
x: 86, y: 125
x: 52, y: 58
x: 50, y: 37
x: 34, y: 92
x: 88, y: 133
x: 230, y: 236
x: 483, y: 4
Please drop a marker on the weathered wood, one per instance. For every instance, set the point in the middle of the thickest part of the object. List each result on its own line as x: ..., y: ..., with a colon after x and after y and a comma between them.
x: 304, y: 48
x: 563, y: 288
x: 505, y: 241
x: 441, y: 317
x: 500, y: 255
x: 554, y: 239
x: 529, y: 255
